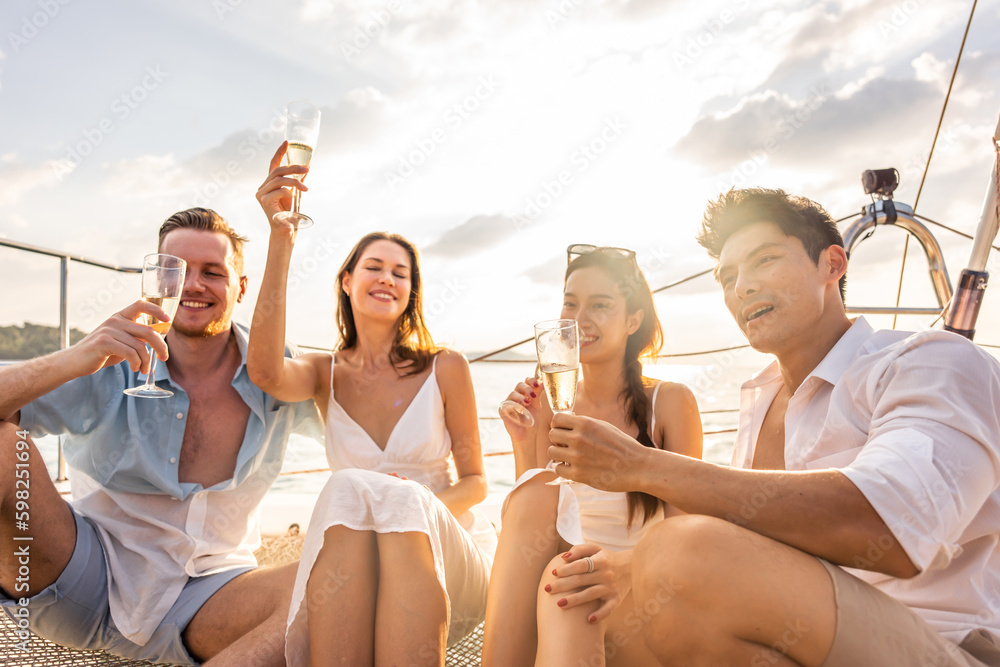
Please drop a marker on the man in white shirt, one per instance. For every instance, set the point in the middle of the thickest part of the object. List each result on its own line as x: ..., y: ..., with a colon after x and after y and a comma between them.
x: 154, y: 558
x: 860, y: 522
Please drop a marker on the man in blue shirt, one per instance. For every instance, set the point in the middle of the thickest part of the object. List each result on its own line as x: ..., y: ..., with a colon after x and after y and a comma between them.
x: 155, y: 555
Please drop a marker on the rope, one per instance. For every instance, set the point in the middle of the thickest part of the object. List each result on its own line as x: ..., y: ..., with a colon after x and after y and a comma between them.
x: 950, y: 229
x: 930, y: 155
x: 697, y: 354
x: 902, y: 269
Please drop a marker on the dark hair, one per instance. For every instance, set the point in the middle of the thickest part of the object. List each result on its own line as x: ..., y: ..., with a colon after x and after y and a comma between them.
x: 646, y: 341
x: 413, y: 341
x: 206, y: 220
x: 795, y: 216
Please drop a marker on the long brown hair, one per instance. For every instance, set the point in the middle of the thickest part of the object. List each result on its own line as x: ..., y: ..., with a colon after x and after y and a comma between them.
x: 413, y: 341
x: 646, y: 341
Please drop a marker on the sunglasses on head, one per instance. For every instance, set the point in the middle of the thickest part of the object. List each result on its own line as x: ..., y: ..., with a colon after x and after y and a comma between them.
x: 578, y: 249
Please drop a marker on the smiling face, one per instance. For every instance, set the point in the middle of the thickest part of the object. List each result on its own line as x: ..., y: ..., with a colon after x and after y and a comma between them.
x: 380, y: 284
x: 212, y: 285
x: 779, y: 297
x: 595, y: 301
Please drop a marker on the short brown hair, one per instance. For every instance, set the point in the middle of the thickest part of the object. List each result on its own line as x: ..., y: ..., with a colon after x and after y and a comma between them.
x: 795, y: 216
x: 206, y: 220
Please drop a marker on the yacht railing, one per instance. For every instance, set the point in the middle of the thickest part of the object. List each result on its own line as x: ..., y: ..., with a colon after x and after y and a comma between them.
x: 64, y: 259
x: 884, y: 212
x: 878, y: 213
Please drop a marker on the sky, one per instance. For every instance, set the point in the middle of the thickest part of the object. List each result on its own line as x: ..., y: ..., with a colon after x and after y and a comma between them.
x: 492, y: 135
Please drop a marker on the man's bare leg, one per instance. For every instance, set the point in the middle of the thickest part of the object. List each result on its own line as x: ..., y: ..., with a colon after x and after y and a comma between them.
x: 49, y: 519
x: 244, y: 622
x: 712, y: 593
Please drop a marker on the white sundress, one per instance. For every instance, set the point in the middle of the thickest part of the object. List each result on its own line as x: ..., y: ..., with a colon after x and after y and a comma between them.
x: 362, y: 496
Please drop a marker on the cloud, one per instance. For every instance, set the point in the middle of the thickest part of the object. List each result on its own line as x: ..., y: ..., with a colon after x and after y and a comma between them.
x: 811, y: 131
x: 354, y: 120
x: 549, y: 272
x: 18, y: 178
x: 473, y: 236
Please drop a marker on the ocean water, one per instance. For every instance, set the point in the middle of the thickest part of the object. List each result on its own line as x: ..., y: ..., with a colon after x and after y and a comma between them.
x: 715, y: 380
x: 715, y: 384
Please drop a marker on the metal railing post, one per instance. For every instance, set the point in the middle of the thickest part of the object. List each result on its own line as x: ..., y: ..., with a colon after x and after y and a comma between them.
x: 63, y: 343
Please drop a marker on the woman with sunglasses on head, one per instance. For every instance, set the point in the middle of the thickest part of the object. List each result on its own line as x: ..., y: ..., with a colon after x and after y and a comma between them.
x: 396, y: 561
x: 561, y: 582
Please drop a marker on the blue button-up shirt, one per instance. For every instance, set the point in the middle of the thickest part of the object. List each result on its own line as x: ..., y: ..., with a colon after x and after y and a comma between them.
x: 123, y: 455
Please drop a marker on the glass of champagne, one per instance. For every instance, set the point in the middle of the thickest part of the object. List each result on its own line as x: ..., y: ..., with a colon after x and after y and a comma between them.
x: 162, y: 285
x: 301, y: 131
x: 557, y: 343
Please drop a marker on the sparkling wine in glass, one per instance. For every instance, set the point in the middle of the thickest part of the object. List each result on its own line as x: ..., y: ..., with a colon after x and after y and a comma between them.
x: 557, y: 343
x: 162, y: 285
x: 301, y: 131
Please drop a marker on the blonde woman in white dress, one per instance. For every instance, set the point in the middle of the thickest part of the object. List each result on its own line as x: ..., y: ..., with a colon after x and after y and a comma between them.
x: 396, y: 561
x: 560, y: 592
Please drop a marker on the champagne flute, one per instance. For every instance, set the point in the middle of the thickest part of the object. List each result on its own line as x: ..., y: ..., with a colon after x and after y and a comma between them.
x: 557, y: 343
x: 301, y: 131
x: 162, y: 285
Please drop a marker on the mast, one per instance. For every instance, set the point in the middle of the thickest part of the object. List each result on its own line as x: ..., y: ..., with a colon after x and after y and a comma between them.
x: 968, y: 297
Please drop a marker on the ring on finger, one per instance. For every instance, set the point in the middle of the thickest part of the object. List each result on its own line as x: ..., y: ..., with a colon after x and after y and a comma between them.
x: 590, y: 564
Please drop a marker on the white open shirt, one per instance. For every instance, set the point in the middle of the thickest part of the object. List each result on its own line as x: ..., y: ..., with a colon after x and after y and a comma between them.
x: 912, y: 420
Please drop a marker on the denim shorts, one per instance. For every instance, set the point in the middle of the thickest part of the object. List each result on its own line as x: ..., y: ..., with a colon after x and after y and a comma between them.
x: 74, y: 611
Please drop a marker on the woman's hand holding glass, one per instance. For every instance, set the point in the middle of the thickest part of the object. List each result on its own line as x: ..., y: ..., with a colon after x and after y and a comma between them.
x: 519, y: 412
x: 603, y: 576
x: 275, y: 194
x: 301, y: 133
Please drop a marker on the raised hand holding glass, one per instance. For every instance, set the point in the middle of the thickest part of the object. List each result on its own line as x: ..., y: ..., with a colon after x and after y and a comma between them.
x: 301, y: 132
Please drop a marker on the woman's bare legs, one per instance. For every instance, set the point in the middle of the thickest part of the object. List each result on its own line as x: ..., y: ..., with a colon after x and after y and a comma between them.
x: 565, y: 637
x: 341, y: 595
x: 528, y: 541
x: 411, y: 618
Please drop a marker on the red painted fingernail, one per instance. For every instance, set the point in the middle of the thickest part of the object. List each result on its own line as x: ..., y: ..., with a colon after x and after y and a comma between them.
x: 534, y: 395
x: 591, y: 619
x: 567, y: 555
x: 548, y: 588
x: 554, y: 573
x: 562, y: 603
